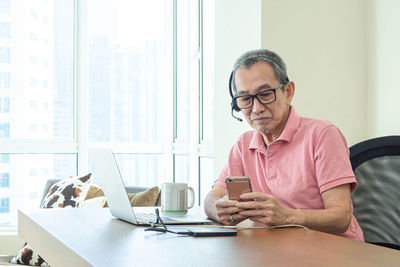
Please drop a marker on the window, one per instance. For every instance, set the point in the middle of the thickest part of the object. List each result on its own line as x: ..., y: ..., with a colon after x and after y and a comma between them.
x: 33, y: 14
x: 33, y: 36
x: 4, y: 130
x: 33, y: 82
x: 136, y: 90
x: 4, y: 79
x: 4, y: 30
x: 4, y: 55
x: 33, y: 59
x: 33, y: 172
x: 206, y: 171
x: 4, y: 105
x: 4, y: 158
x: 128, y: 73
x: 4, y: 5
x: 4, y: 180
x: 4, y: 205
x: 33, y: 128
x: 181, y: 171
x: 33, y: 104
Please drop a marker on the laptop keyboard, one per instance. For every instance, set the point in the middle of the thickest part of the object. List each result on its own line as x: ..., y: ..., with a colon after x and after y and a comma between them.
x: 150, y: 217
x: 146, y: 217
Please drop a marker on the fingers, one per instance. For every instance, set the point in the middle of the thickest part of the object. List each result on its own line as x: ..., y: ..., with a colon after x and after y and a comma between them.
x: 256, y: 200
x: 245, y: 205
x: 258, y: 207
x: 228, y: 212
x: 226, y: 206
x: 263, y: 216
x: 225, y: 203
x: 256, y: 213
x: 231, y: 219
x: 256, y: 196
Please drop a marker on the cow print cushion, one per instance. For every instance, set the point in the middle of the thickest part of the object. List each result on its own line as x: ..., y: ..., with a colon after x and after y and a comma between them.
x: 28, y: 257
x: 70, y: 193
x: 67, y: 193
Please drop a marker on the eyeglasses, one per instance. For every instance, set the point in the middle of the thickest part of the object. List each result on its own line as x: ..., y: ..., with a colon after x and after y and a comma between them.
x: 164, y: 228
x: 264, y: 97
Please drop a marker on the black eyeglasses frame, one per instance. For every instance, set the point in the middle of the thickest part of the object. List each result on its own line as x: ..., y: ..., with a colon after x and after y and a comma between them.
x: 256, y: 96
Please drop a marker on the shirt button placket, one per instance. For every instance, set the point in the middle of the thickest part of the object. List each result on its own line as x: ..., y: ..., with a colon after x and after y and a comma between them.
x: 270, y: 158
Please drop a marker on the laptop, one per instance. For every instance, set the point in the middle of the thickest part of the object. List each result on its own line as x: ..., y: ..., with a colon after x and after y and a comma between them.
x: 108, y: 173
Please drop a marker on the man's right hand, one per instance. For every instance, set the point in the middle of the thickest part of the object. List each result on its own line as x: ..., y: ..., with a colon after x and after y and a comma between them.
x: 221, y: 209
x: 227, y: 211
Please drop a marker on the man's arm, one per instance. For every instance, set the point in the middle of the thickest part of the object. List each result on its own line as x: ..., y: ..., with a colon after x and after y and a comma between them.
x: 334, y: 218
x: 219, y: 208
x: 212, y: 197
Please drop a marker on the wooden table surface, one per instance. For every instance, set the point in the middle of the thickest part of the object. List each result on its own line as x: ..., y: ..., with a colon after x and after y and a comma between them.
x: 92, y: 237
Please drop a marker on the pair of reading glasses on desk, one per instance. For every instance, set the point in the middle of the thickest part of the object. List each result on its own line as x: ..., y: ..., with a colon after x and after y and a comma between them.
x: 197, y: 231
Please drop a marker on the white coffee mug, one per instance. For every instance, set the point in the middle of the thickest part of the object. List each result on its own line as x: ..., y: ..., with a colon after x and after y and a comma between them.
x: 174, y: 197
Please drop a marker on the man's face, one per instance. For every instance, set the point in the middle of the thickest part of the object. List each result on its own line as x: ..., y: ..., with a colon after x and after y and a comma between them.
x: 268, y: 119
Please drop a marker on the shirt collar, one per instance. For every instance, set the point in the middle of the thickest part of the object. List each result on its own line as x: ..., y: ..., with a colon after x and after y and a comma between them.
x: 291, y: 126
x: 257, y: 142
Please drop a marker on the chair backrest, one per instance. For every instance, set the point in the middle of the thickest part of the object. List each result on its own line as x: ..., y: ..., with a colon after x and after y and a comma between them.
x: 376, y: 201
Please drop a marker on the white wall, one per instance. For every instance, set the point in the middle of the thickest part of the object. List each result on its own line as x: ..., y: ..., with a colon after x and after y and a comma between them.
x: 383, y: 108
x: 237, y: 29
x: 324, y: 45
x: 343, y: 56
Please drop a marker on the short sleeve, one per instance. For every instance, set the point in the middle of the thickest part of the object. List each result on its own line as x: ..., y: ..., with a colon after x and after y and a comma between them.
x: 332, y: 162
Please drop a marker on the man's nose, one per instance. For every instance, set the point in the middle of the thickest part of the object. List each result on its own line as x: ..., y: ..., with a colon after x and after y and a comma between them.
x: 257, y: 106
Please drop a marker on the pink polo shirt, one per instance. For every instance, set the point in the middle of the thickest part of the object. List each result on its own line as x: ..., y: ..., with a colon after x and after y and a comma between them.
x: 309, y: 157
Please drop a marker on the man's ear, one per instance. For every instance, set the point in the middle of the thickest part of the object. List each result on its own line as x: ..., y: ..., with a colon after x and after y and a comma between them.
x: 289, y: 92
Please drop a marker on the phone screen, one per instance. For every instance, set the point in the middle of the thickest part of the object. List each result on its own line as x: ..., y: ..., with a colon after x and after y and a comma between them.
x: 237, y: 185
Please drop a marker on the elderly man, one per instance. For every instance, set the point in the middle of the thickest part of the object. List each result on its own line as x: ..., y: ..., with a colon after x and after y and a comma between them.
x: 299, y: 167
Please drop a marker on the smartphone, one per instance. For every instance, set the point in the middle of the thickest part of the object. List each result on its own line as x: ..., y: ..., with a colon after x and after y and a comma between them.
x: 237, y: 185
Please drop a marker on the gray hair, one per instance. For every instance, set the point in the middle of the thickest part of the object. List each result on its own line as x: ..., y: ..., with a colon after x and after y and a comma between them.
x: 252, y: 57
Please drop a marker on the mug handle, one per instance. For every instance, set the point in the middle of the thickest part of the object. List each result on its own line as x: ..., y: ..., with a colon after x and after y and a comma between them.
x: 192, y: 192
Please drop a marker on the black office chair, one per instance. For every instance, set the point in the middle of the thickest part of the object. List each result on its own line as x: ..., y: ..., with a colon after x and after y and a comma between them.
x: 376, y: 200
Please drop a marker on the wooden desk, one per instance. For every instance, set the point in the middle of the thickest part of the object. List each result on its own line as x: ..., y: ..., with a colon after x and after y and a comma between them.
x: 91, y: 237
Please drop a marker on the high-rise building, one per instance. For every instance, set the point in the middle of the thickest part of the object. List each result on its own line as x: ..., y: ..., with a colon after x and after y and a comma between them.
x: 26, y: 97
